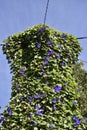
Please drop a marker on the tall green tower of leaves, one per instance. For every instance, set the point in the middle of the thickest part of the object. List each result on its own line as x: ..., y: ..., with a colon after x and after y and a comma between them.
x: 44, y: 93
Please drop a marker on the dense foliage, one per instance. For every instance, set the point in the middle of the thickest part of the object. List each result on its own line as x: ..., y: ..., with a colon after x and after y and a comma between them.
x: 81, y: 78
x: 44, y: 93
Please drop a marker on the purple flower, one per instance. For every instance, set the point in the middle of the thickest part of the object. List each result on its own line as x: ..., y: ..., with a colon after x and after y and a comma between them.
x: 75, y: 103
x: 64, y: 35
x: 63, y: 63
x: 48, y: 43
x: 67, y: 51
x: 38, y: 107
x: 33, y: 123
x: 9, y: 111
x: 60, y: 46
x: 57, y: 88
x: 46, y: 61
x: 2, y: 118
x: 54, y: 107
x: 84, y: 120
x: 42, y: 95
x: 58, y: 56
x: 65, y: 84
x: 51, y: 52
x: 39, y: 113
x: 74, y: 42
x: 43, y: 73
x: 54, y: 100
x: 31, y: 115
x: 77, y: 121
x: 36, y: 96
x: 52, y: 126
x: 21, y: 97
x: 47, y: 82
x: 38, y: 45
x: 29, y: 99
x: 22, y: 71
x: 42, y: 29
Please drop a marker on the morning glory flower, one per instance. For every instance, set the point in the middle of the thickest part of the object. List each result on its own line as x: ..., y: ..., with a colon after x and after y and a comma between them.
x: 58, y: 56
x: 75, y: 103
x: 37, y: 107
x: 42, y: 95
x: 51, y: 52
x: 54, y: 107
x: 2, y: 118
x: 42, y: 29
x: 63, y: 63
x: 43, y: 73
x: 22, y: 72
x: 39, y: 113
x: 64, y: 35
x: 9, y: 111
x: 54, y: 100
x: 65, y: 84
x: 30, y: 115
x: 48, y: 43
x: 29, y: 99
x: 52, y: 126
x: 46, y: 61
x: 84, y: 120
x: 38, y: 45
x: 57, y: 88
x: 33, y: 123
x: 77, y: 121
x: 36, y: 96
x: 47, y: 82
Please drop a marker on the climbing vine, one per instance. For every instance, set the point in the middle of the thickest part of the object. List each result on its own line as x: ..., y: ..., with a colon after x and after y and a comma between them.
x: 44, y: 92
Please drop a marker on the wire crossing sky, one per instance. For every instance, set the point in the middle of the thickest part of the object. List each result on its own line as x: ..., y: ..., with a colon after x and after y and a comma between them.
x: 18, y: 15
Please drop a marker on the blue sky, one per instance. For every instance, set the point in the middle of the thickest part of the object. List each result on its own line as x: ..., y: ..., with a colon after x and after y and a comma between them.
x: 18, y: 15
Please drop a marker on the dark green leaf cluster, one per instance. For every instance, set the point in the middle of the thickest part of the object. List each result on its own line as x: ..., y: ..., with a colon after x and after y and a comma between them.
x: 44, y: 92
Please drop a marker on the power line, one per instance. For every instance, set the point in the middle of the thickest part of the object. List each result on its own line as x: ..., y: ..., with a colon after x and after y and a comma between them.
x: 46, y: 11
x: 81, y: 37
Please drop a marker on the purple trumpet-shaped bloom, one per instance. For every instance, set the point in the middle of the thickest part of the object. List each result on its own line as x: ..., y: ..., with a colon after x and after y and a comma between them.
x: 22, y: 71
x: 58, y: 56
x: 64, y: 35
x: 37, y: 107
x: 54, y: 100
x: 51, y: 52
x: 57, y: 88
x: 36, y: 96
x: 42, y: 95
x: 75, y: 103
x: 48, y: 43
x: 38, y: 45
x: 46, y: 61
x: 52, y: 126
x: 33, y: 123
x: 39, y: 113
x: 30, y: 115
x: 54, y: 107
x: 77, y: 121
x: 9, y: 111
x: 29, y: 99
x: 42, y: 29
x: 2, y: 118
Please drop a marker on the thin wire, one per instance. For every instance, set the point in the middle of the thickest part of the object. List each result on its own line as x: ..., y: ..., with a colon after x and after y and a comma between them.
x: 81, y: 37
x: 46, y: 11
